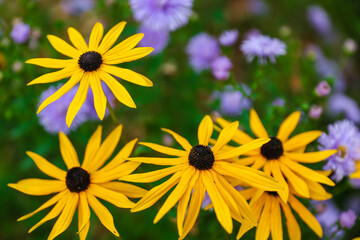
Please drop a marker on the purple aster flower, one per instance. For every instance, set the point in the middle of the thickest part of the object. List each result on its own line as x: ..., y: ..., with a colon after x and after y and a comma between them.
x: 348, y: 219
x: 162, y: 14
x: 202, y: 50
x: 262, y: 47
x: 279, y: 102
x: 77, y: 7
x: 228, y: 38
x: 345, y: 137
x: 319, y: 19
x: 233, y: 102
x: 323, y: 89
x: 315, y: 111
x: 256, y: 7
x: 221, y: 67
x: 342, y: 104
x: 157, y: 39
x: 20, y: 32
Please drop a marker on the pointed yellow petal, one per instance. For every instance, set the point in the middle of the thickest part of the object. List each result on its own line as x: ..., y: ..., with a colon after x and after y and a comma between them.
x: 116, y: 198
x: 275, y: 221
x: 276, y: 172
x: 117, y: 89
x: 38, y: 187
x: 181, y: 140
x: 128, y: 75
x: 92, y: 147
x: 83, y: 233
x: 115, y: 173
x: 317, y: 192
x: 111, y: 37
x: 240, y: 137
x: 63, y: 47
x: 301, y: 140
x: 52, y: 63
x: 296, y: 182
x: 99, y: 95
x: 128, y: 56
x: 83, y: 211
x: 127, y: 189
x: 95, y: 36
x: 291, y: 223
x: 288, y: 126
x: 46, y: 167
x: 263, y: 230
x: 225, y: 136
x: 77, y: 39
x: 310, y: 157
x: 259, y: 163
x: 55, y: 76
x: 159, y: 161
x: 124, y: 46
x: 205, y: 130
x: 68, y: 152
x: 165, y: 150
x: 256, y: 126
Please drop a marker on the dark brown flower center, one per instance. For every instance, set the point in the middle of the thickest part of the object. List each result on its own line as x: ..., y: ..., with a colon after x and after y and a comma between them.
x: 273, y: 194
x: 90, y: 61
x: 77, y: 179
x: 272, y: 149
x: 201, y: 157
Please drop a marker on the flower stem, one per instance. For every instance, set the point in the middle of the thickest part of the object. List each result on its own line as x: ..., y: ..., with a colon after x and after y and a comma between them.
x: 112, y: 113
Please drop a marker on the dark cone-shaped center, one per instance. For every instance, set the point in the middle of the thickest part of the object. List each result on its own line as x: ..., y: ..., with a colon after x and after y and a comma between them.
x: 273, y: 194
x: 77, y: 179
x: 90, y: 61
x: 272, y: 149
x: 201, y: 157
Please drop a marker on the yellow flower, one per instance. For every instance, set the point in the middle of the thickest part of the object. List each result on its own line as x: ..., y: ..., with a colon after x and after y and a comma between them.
x: 356, y: 174
x: 267, y: 207
x: 197, y: 169
x: 282, y: 156
x: 80, y: 186
x: 91, y: 64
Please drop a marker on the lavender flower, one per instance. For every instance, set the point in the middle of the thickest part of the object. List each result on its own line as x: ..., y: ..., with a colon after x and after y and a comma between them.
x: 157, y: 39
x: 348, y: 219
x: 323, y: 89
x: 342, y: 104
x: 233, y: 102
x: 77, y: 7
x: 315, y: 111
x: 166, y: 15
x: 20, y: 32
x: 278, y: 102
x: 262, y: 47
x: 202, y: 50
x: 345, y: 137
x: 228, y: 38
x: 221, y: 67
x: 319, y: 19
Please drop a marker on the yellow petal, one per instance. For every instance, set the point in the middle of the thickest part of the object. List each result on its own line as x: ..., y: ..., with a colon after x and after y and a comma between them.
x: 127, y: 189
x: 68, y: 152
x: 240, y: 137
x: 296, y: 182
x: 301, y: 140
x: 128, y: 56
x: 355, y: 175
x: 263, y: 230
x: 111, y: 37
x: 291, y: 223
x: 83, y: 211
x: 125, y: 45
x: 102, y: 213
x: 83, y: 233
x: 276, y: 172
x: 205, y: 130
x: 117, y: 89
x: 115, y: 173
x: 275, y: 221
x: 256, y: 126
x: 259, y: 163
x: 63, y: 47
x: 38, y: 187
x: 78, y: 100
x: 159, y: 161
x: 95, y: 36
x: 55, y: 76
x: 165, y: 150
x: 75, y: 78
x: 99, y: 95
x: 181, y: 140
x: 116, y: 198
x: 288, y: 126
x: 310, y: 157
x: 52, y: 63
x: 225, y: 136
x: 92, y: 147
x: 317, y: 192
x: 77, y: 39
x: 46, y: 167
x: 246, y: 161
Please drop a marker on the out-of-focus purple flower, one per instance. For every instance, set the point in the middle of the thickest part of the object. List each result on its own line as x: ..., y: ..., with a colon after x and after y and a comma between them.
x: 347, y: 219
x: 256, y: 7
x: 157, y: 39
x: 279, y: 102
x: 233, y: 102
x: 342, y: 104
x: 323, y: 89
x: 20, y: 32
x: 350, y: 46
x: 315, y: 111
x: 319, y: 19
x: 228, y: 38
x: 345, y: 137
x: 162, y: 14
x: 263, y: 47
x: 221, y: 67
x: 168, y: 140
x: 202, y: 50
x: 327, y: 215
x: 77, y: 7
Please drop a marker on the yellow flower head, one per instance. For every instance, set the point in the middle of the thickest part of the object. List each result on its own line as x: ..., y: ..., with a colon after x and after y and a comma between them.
x: 281, y: 156
x: 91, y: 64
x: 201, y: 168
x: 81, y: 185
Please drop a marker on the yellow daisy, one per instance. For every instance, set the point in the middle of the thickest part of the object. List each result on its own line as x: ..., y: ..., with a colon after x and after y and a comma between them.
x: 91, y: 64
x: 197, y: 169
x: 283, y: 156
x: 80, y: 186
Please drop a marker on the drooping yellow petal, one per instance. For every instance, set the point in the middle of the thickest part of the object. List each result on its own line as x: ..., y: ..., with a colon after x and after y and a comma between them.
x: 52, y: 63
x: 99, y: 95
x: 128, y: 75
x: 63, y: 47
x: 205, y: 130
x: 277, y: 174
x: 96, y: 36
x: 301, y: 140
x: 317, y: 192
x: 240, y: 137
x: 256, y: 126
x: 275, y: 220
x: 127, y: 189
x: 159, y: 161
x: 116, y: 198
x: 111, y: 37
x: 83, y: 211
x: 92, y: 147
x: 46, y: 167
x: 288, y: 126
x: 225, y: 136
x: 115, y: 173
x: 296, y: 182
x: 291, y: 223
x: 124, y: 46
x: 68, y: 152
x: 83, y: 233
x: 55, y: 76
x: 263, y: 230
x: 116, y: 88
x: 310, y: 157
x: 102, y: 213
x: 181, y: 140
x: 165, y: 150
x: 38, y: 187
x: 77, y: 39
x: 78, y: 100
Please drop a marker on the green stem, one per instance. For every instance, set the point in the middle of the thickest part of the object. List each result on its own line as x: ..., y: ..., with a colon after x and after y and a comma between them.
x: 112, y: 114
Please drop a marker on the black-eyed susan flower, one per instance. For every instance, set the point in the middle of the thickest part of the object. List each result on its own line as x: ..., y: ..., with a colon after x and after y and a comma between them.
x: 283, y: 156
x: 90, y: 64
x: 197, y: 169
x: 81, y: 185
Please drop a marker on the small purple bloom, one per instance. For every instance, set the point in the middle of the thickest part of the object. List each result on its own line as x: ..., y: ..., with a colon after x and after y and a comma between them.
x: 327, y: 215
x: 157, y: 39
x: 345, y: 137
x: 228, y: 38
x: 256, y: 7
x: 278, y: 102
x: 20, y: 32
x: 166, y: 15
x: 262, y: 47
x: 202, y: 50
x: 315, y: 111
x: 233, y: 102
x: 221, y: 67
x: 342, y: 104
x: 319, y: 19
x: 323, y: 89
x: 77, y: 7
x: 348, y: 219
